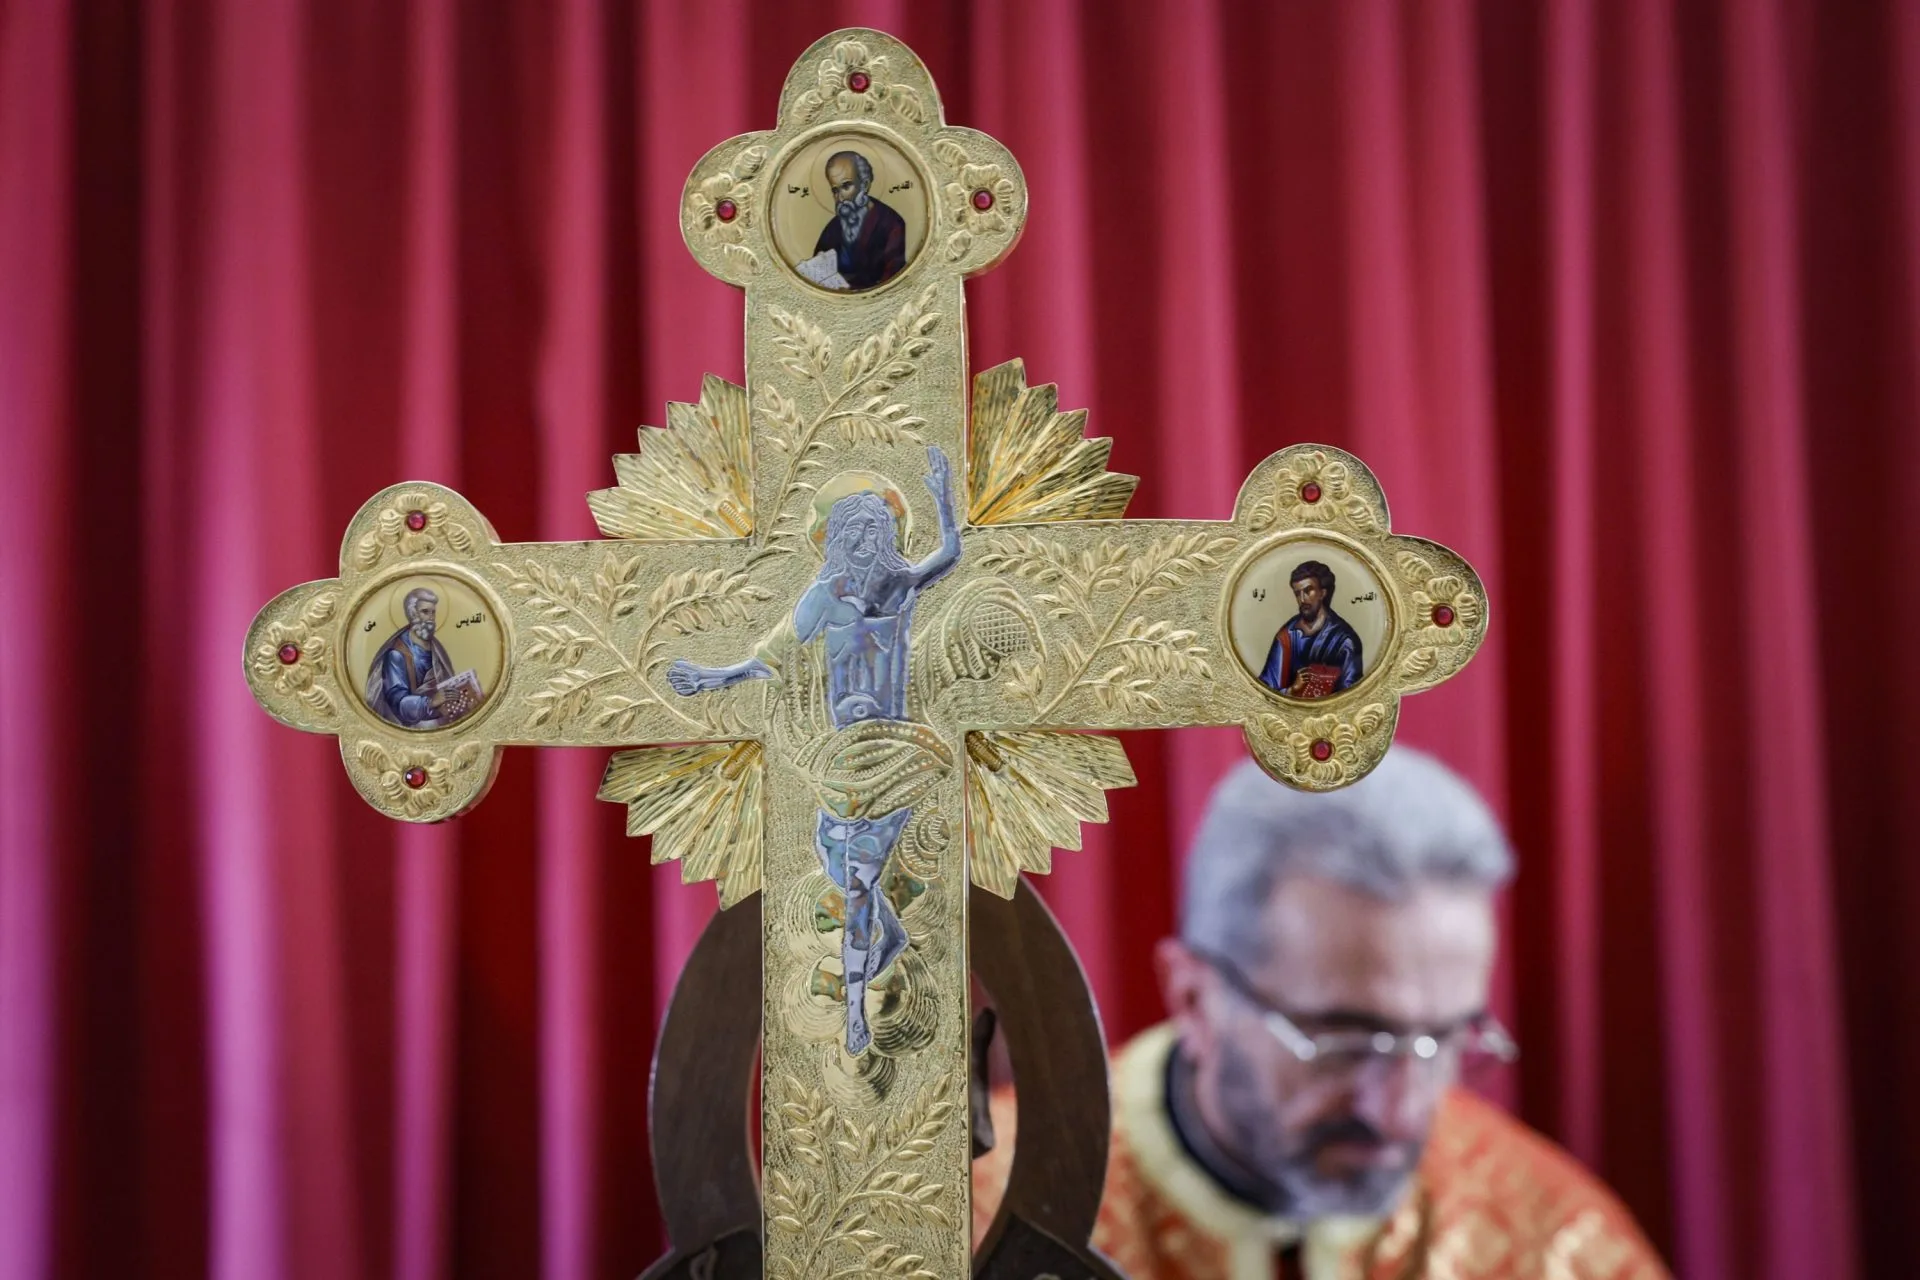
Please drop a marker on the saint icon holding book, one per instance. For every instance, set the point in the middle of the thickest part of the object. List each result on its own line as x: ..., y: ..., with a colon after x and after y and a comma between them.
x: 1315, y: 652
x: 865, y: 241
x: 411, y: 682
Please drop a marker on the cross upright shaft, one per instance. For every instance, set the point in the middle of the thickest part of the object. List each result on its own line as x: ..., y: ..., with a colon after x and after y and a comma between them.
x: 851, y: 638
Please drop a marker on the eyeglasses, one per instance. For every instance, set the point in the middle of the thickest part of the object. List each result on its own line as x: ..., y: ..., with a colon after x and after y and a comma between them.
x: 1478, y: 1042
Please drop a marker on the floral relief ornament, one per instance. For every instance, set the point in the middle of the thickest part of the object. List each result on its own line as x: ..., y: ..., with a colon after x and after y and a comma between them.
x: 1326, y: 751
x: 1313, y: 489
x: 1445, y: 612
x: 412, y: 524
x: 980, y: 202
x: 290, y: 654
x: 417, y: 779
x: 721, y: 208
x: 852, y: 79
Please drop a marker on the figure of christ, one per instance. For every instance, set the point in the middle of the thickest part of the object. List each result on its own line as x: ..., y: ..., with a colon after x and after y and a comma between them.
x: 861, y: 607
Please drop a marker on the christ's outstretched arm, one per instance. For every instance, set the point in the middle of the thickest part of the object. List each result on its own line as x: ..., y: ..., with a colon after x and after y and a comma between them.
x: 947, y: 554
x: 689, y: 678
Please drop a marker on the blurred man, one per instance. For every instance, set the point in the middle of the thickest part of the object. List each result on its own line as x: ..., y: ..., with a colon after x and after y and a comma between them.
x: 1297, y: 1115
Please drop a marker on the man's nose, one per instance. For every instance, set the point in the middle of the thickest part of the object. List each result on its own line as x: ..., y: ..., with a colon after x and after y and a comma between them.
x: 1395, y: 1094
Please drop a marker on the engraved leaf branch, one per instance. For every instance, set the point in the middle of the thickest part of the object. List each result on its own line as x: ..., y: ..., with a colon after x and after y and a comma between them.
x: 683, y: 604
x: 855, y: 401
x: 1121, y: 659
x: 828, y: 1215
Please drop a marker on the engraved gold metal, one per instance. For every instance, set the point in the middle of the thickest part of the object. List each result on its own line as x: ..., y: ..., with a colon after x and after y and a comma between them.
x: 1059, y: 616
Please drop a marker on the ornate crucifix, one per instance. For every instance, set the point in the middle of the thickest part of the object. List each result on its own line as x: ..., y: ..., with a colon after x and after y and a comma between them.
x: 851, y: 636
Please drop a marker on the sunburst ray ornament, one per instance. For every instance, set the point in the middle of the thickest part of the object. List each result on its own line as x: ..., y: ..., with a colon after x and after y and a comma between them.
x: 853, y: 643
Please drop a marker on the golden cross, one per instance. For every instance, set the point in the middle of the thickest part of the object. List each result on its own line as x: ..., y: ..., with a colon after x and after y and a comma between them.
x: 861, y: 633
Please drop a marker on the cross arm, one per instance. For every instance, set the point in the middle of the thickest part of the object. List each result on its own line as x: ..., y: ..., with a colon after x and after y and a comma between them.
x: 1127, y: 624
x: 437, y: 644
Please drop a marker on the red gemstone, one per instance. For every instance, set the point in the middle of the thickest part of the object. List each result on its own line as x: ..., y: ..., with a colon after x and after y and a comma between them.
x: 983, y: 200
x: 415, y: 777
x: 416, y: 520
x: 1309, y: 492
x: 858, y: 82
x: 1443, y: 615
x: 289, y: 653
x: 1322, y: 749
x: 726, y: 210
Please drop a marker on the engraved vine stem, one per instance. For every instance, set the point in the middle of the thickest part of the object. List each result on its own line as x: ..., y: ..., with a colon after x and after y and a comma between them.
x: 839, y: 1212
x: 613, y: 650
x: 911, y: 319
x: 1073, y: 681
x: 826, y: 415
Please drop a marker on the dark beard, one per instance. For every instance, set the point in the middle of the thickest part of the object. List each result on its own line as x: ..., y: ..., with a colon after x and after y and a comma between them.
x: 1257, y: 1145
x: 1284, y: 1164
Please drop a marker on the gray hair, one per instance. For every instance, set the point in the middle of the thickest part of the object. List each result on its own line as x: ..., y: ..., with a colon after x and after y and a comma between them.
x: 417, y: 597
x: 862, y: 167
x: 1411, y: 821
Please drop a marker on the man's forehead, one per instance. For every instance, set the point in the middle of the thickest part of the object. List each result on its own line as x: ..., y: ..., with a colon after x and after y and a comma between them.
x: 1425, y: 958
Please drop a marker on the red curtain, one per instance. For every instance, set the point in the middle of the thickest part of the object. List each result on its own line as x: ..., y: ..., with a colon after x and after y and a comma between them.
x: 1620, y: 299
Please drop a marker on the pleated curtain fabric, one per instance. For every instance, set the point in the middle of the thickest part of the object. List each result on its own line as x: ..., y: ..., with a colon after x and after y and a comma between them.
x: 1620, y: 299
